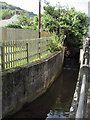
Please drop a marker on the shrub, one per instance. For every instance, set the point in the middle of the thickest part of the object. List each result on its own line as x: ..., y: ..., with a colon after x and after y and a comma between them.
x: 6, y: 13
x: 13, y: 25
x: 30, y: 27
x: 55, y: 44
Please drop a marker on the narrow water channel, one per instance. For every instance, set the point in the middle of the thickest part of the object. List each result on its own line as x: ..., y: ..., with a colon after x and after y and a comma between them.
x: 55, y: 103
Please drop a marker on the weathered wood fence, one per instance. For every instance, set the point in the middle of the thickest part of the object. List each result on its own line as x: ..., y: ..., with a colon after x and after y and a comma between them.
x: 20, y: 52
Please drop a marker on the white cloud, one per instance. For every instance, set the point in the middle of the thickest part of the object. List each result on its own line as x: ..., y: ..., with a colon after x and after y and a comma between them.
x: 78, y: 4
x: 32, y: 5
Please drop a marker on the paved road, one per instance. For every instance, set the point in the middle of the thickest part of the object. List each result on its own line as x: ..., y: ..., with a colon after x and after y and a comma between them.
x: 8, y: 21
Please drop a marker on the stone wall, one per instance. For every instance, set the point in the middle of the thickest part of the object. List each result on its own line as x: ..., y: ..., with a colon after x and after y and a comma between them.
x: 23, y: 85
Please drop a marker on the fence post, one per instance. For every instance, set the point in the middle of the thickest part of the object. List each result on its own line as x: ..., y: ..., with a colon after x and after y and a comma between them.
x: 27, y: 53
x: 39, y: 50
x: 2, y: 57
x: 47, y: 44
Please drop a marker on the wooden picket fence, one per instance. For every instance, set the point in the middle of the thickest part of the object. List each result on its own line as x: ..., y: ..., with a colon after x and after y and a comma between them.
x: 20, y: 52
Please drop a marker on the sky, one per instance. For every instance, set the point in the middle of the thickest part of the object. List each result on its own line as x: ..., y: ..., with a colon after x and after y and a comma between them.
x: 32, y: 5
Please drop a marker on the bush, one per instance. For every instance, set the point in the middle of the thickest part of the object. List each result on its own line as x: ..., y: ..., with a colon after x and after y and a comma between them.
x: 13, y: 25
x: 55, y: 44
x: 30, y: 27
x: 73, y: 24
x: 6, y: 14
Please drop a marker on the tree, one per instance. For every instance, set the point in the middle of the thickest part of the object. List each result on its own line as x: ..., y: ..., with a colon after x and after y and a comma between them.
x: 6, y: 14
x: 69, y: 23
x: 28, y: 22
x: 25, y: 20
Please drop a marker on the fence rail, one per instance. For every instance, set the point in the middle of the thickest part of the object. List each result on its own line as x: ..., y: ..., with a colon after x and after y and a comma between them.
x: 21, y: 52
x: 81, y: 110
x: 79, y: 105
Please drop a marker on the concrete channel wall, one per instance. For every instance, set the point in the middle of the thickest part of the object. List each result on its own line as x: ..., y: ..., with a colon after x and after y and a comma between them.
x: 25, y: 84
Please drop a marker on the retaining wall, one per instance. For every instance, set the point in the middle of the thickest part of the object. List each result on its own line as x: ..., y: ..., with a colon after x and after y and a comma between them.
x: 25, y: 84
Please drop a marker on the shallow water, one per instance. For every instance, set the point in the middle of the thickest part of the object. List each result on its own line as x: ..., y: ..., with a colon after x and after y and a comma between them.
x: 60, y: 108
x: 55, y: 103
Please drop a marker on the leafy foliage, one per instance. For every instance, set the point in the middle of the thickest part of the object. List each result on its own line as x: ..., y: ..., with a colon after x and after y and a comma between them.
x: 7, y: 10
x: 67, y: 26
x: 54, y: 44
x: 67, y: 22
x: 14, y: 25
x: 25, y: 22
x: 6, y: 13
x: 28, y: 22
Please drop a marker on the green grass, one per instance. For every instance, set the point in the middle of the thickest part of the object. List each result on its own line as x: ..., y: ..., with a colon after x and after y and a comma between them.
x: 18, y: 56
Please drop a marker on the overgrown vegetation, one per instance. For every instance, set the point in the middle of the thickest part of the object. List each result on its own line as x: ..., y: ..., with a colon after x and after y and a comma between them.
x: 28, y: 22
x: 55, y: 43
x: 25, y: 21
x: 69, y: 26
x: 6, y: 14
x: 6, y: 11
x: 14, y: 25
x: 66, y: 26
